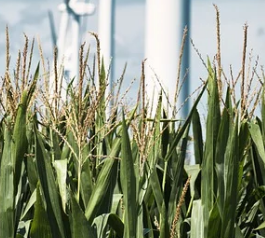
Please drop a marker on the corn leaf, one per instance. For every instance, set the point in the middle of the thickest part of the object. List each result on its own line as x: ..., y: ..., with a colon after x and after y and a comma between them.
x: 221, y: 145
x: 107, y: 174
x: 61, y: 171
x: 49, y: 187
x: 40, y: 227
x: 7, y: 196
x: 197, y: 220
x: 231, y: 169
x: 128, y: 184
x: 197, y: 137
x: 208, y: 187
x: 80, y: 227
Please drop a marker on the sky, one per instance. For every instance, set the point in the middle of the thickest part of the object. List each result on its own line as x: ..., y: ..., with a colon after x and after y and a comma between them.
x: 30, y: 17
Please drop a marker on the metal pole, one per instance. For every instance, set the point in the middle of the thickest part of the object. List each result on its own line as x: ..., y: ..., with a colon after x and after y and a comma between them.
x: 185, y: 74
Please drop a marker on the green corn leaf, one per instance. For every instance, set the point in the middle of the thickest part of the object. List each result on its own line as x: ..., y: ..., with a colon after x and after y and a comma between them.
x: 231, y: 169
x: 103, y: 221
x: 7, y: 196
x: 80, y: 227
x: 197, y: 220
x: 256, y: 136
x: 215, y: 222
x: 259, y: 156
x: 86, y: 182
x: 128, y: 184
x: 106, y: 176
x: 61, y: 172
x: 164, y: 228
x: 238, y: 232
x: 40, y: 227
x: 208, y: 187
x: 116, y: 224
x: 261, y: 226
x: 140, y: 226
x: 30, y: 204
x: 221, y: 145
x: 116, y: 202
x: 20, y: 144
x: 197, y: 137
x: 50, y: 191
x: 147, y: 222
x: 156, y: 188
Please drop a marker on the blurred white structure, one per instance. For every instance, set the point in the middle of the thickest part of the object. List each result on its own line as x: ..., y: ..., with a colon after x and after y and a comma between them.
x: 165, y: 22
x: 69, y: 38
x: 106, y: 27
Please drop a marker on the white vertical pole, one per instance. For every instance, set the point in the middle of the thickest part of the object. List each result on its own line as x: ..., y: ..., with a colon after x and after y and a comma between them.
x: 106, y: 36
x: 62, y: 33
x: 74, y: 71
x: 164, y: 31
x: 105, y: 29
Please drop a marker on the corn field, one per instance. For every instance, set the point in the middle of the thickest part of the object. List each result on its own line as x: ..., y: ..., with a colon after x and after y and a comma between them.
x: 69, y: 169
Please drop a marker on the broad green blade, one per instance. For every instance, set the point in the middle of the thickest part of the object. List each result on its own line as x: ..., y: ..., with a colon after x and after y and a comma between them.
x: 208, y: 187
x: 101, y: 224
x: 156, y: 188
x: 147, y: 222
x: 20, y: 144
x: 215, y: 222
x: 197, y: 221
x: 30, y: 203
x: 128, y: 184
x: 140, y: 226
x: 231, y: 169
x: 7, y: 196
x: 86, y: 182
x: 155, y: 154
x: 197, y: 137
x: 116, y: 224
x: 107, y: 175
x: 256, y: 136
x: 49, y: 187
x: 164, y: 228
x: 61, y: 172
x: 40, y: 227
x: 80, y: 227
x: 104, y: 221
x: 221, y: 145
x: 259, y: 159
